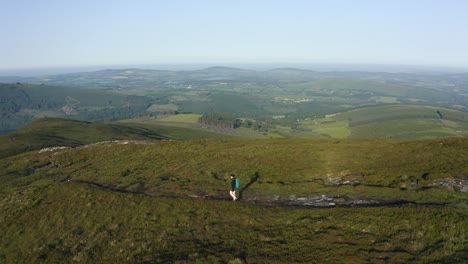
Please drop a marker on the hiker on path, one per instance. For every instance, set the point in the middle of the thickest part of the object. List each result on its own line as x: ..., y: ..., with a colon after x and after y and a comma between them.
x: 234, y: 186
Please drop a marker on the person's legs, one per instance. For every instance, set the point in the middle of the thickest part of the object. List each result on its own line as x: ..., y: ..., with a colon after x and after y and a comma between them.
x: 233, y: 195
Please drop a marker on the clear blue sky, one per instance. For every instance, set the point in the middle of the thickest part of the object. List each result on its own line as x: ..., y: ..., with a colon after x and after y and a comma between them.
x: 52, y: 33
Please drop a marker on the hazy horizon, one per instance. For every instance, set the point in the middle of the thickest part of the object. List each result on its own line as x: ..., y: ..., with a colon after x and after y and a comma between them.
x: 320, y: 67
x: 85, y: 34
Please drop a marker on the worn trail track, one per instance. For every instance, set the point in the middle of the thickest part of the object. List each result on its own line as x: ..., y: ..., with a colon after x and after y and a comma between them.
x: 273, y: 201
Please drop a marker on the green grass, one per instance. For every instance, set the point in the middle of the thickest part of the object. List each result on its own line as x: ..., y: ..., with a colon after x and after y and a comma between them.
x: 395, y: 112
x: 48, y: 132
x: 76, y: 223
x: 193, y: 129
x: 250, y: 133
x: 185, y: 118
x: 389, y: 121
x: 328, y: 126
x: 129, y: 202
x: 410, y: 129
x: 301, y: 167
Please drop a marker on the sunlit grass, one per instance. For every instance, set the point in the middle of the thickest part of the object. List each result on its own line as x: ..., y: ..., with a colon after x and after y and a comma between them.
x: 186, y: 118
x: 329, y: 126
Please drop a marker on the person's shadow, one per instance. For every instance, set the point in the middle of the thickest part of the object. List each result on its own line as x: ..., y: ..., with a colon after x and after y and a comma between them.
x: 252, y: 181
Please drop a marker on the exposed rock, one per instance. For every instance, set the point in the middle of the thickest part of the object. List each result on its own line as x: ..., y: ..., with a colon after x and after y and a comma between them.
x: 348, y: 179
x: 363, y: 202
x: 452, y: 184
x: 52, y: 149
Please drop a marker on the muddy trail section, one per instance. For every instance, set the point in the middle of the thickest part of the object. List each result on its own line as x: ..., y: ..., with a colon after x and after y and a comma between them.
x: 292, y: 201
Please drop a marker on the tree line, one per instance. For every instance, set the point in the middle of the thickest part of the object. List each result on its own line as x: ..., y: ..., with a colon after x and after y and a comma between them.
x: 220, y: 120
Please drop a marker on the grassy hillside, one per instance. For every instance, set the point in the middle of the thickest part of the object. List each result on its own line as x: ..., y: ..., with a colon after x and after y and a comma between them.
x: 48, y: 132
x: 195, y: 130
x: 406, y: 121
x: 71, y: 223
x: 388, y: 121
x: 420, y: 171
x: 302, y: 200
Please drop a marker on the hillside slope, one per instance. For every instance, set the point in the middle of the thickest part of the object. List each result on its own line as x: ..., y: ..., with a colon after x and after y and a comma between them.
x: 433, y: 171
x: 72, y: 222
x: 50, y: 132
x: 392, y: 121
x: 167, y: 201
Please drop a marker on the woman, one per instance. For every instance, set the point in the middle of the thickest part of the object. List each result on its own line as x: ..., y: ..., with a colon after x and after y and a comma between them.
x: 233, y: 191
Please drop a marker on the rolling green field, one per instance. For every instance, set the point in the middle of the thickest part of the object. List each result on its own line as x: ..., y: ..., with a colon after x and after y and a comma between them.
x: 184, y: 118
x: 389, y: 121
x: 396, y: 121
x: 196, y: 130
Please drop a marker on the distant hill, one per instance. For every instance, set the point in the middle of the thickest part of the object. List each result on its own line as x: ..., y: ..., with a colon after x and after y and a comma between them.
x: 23, y: 102
x: 225, y: 70
x: 143, y: 77
x: 130, y: 77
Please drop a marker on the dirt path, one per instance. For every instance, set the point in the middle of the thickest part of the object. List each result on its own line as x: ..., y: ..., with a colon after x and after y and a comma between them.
x: 321, y: 201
